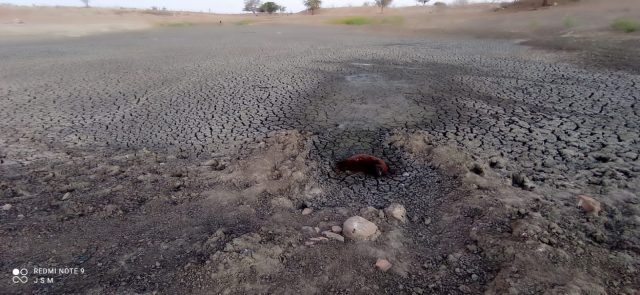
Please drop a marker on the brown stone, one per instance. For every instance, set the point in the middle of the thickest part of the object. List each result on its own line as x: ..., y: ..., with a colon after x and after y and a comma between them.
x: 383, y: 264
x: 589, y: 205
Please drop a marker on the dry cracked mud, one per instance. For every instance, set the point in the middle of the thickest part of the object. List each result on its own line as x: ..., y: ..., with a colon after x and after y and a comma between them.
x: 179, y: 160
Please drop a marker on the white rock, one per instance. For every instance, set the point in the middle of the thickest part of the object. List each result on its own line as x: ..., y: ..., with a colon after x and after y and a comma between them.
x: 66, y: 196
x: 6, y: 207
x: 360, y: 229
x: 397, y: 211
x: 336, y: 229
x: 307, y: 211
x: 332, y: 235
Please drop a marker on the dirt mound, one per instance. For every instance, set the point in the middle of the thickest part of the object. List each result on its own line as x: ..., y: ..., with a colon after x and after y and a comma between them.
x: 543, y: 241
x: 144, y: 222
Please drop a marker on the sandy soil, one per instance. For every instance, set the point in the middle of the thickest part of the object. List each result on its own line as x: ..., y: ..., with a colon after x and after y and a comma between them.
x: 18, y: 21
x: 568, y: 18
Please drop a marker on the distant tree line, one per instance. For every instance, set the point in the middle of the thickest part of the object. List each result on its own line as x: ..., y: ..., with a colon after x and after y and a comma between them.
x: 270, y: 7
x: 255, y: 6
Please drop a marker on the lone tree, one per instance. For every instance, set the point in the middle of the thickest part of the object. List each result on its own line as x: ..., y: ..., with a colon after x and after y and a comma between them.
x: 251, y: 5
x: 382, y: 4
x: 282, y: 9
x: 86, y: 3
x: 269, y: 7
x: 312, y: 5
x: 424, y: 2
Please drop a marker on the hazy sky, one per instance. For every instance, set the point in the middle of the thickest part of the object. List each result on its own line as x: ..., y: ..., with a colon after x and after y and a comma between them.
x: 221, y: 6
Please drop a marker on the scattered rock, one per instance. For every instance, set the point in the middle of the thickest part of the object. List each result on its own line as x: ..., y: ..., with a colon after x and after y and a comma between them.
x: 336, y: 229
x: 522, y: 181
x: 307, y: 211
x: 360, y: 229
x: 477, y: 169
x: 464, y: 289
x: 332, y: 235
x: 598, y: 236
x: 319, y: 239
x: 6, y: 207
x: 212, y: 162
x: 383, y: 264
x: 369, y: 212
x: 397, y: 211
x: 497, y: 163
x: 282, y: 202
x: 307, y: 230
x: 589, y: 205
x: 215, y: 164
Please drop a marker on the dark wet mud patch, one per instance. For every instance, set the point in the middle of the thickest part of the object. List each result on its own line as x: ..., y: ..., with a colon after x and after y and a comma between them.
x: 363, y: 104
x: 407, y: 180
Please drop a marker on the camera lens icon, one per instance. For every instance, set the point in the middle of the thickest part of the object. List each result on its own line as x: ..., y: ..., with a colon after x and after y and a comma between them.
x: 19, y: 275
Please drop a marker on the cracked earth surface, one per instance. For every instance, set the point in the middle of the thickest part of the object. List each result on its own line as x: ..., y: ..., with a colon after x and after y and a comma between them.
x: 162, y: 91
x: 186, y: 95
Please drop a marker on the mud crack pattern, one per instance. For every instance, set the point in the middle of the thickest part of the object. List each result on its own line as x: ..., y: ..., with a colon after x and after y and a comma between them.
x: 209, y: 90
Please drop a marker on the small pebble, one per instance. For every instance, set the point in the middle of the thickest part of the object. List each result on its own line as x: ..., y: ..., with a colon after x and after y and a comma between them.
x: 332, y: 235
x: 383, y: 264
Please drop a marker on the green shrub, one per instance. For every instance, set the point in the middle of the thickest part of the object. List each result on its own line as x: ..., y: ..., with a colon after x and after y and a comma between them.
x: 243, y: 22
x: 362, y: 20
x: 353, y: 20
x: 177, y: 24
x: 569, y: 22
x: 625, y: 25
